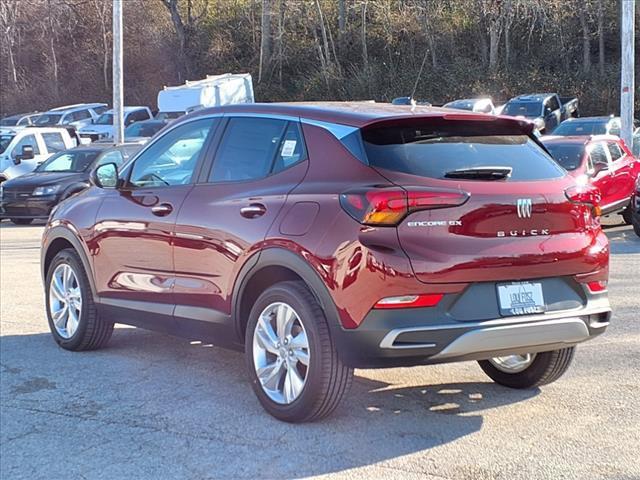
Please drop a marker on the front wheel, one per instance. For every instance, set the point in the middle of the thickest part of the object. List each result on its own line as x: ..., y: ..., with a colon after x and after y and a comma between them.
x: 293, y: 365
x: 627, y: 214
x: 528, y: 370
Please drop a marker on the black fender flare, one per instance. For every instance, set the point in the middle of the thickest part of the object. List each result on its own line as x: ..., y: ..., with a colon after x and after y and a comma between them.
x: 280, y: 257
x: 61, y: 232
x: 73, y: 189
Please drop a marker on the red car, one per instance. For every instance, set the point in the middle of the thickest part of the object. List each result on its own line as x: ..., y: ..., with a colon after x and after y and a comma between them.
x: 603, y: 161
x: 322, y: 237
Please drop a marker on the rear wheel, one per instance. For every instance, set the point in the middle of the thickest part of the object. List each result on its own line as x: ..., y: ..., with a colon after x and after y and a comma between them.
x: 21, y: 221
x: 293, y: 365
x: 73, y: 318
x: 528, y: 370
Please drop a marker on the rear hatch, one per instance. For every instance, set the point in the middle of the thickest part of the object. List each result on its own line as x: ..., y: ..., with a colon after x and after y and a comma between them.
x: 510, y: 217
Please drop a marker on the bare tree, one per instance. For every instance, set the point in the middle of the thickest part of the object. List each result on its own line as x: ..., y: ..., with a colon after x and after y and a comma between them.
x: 103, y: 13
x: 265, y: 38
x: 601, y: 36
x: 8, y: 27
x: 586, y: 39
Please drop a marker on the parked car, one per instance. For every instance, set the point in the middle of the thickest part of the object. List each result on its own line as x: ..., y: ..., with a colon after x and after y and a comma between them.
x: 480, y: 105
x: 33, y: 196
x: 102, y: 128
x: 77, y: 116
x: 599, y: 126
x: 23, y: 149
x: 546, y: 110
x: 603, y: 161
x: 213, y: 91
x: 409, y: 101
x: 19, y: 119
x: 635, y: 215
x: 142, y: 131
x: 318, y: 239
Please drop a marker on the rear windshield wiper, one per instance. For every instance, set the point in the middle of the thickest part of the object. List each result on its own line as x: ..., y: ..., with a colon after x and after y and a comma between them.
x: 480, y: 173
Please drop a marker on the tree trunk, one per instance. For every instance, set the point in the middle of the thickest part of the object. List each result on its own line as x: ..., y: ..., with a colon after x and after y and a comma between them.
x: 54, y: 58
x: 181, y: 33
x: 365, y: 55
x: 586, y: 42
x: 265, y: 39
x: 342, y: 21
x: 601, y: 37
x: 279, y: 42
x: 494, y: 44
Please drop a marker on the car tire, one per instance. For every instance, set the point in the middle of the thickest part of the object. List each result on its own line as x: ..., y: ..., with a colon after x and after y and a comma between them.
x: 636, y: 224
x: 627, y: 214
x: 21, y: 221
x: 544, y: 368
x: 325, y: 378
x: 82, y: 328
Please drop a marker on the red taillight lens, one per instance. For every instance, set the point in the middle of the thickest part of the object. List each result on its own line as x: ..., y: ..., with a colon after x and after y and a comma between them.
x: 388, y: 206
x: 597, y: 287
x: 410, y: 301
x: 585, y: 195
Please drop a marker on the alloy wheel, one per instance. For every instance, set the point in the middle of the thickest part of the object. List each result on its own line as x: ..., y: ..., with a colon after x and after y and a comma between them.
x: 281, y: 353
x: 65, y: 300
x: 513, y: 363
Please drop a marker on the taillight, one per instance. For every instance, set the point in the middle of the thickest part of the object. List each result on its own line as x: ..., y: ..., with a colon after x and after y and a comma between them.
x: 410, y: 301
x: 388, y: 206
x: 585, y: 195
x: 597, y: 287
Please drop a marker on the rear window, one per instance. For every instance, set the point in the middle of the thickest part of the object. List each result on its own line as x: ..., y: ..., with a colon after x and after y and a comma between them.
x: 569, y: 156
x: 427, y: 152
x: 525, y: 109
x: 566, y: 129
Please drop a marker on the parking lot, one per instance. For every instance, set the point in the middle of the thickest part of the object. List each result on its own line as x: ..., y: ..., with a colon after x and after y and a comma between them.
x: 154, y: 406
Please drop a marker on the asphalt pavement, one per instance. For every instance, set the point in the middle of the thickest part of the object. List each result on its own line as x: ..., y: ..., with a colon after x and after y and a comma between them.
x: 151, y: 406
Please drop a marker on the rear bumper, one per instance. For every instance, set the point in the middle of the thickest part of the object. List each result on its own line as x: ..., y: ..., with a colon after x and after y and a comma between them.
x: 389, y: 338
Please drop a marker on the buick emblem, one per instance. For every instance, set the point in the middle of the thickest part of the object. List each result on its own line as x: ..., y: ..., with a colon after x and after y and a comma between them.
x: 524, y: 207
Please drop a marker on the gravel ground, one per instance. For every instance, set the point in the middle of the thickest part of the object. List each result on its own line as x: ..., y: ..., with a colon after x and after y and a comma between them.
x: 154, y: 406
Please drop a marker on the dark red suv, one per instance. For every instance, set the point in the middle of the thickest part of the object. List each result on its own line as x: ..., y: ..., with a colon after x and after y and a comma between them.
x: 323, y: 237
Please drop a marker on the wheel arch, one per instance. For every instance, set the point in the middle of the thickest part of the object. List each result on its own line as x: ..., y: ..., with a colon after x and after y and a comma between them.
x: 271, y: 266
x: 58, y: 239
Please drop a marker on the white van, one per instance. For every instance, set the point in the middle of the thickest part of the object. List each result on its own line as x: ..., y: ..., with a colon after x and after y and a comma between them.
x: 213, y: 91
x: 23, y: 149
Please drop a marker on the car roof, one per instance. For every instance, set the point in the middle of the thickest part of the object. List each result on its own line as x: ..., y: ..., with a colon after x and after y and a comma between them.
x: 584, y: 139
x: 355, y: 114
x: 21, y: 115
x: 532, y: 97
x: 77, y: 106
x: 127, y: 109
x: 592, y: 119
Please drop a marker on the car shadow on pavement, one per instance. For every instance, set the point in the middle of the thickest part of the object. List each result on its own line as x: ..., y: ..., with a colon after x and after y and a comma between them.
x: 187, y: 409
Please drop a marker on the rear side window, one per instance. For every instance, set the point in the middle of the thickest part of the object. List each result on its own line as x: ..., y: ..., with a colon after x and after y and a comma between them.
x: 253, y: 148
x: 54, y: 142
x: 615, y: 151
x: 427, y: 152
x: 100, y: 110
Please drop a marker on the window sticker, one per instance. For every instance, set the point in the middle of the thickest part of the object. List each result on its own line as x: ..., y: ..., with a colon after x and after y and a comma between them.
x: 288, y: 148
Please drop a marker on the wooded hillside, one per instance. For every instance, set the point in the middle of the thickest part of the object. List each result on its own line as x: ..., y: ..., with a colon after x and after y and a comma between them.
x: 59, y: 51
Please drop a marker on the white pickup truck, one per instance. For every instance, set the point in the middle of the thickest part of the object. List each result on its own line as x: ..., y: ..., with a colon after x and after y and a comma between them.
x: 22, y: 149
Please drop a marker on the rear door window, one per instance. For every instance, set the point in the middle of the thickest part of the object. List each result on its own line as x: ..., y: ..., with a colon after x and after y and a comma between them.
x: 54, y: 142
x: 253, y: 148
x: 433, y: 151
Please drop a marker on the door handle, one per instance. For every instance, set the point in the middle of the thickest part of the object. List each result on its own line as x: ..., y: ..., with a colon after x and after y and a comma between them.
x: 162, y: 210
x: 253, y: 210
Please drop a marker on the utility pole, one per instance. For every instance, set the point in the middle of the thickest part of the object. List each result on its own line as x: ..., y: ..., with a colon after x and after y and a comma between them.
x: 118, y: 84
x: 627, y: 84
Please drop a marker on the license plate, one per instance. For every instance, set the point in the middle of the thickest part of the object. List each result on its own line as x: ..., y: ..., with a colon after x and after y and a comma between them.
x: 520, y: 298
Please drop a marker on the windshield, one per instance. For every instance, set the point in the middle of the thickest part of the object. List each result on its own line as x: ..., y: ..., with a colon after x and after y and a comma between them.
x: 9, y: 121
x: 428, y: 152
x: 105, y: 119
x: 47, y: 119
x: 581, y: 128
x: 567, y: 155
x: 69, y: 161
x: 5, y: 140
x: 142, y: 129
x: 525, y: 109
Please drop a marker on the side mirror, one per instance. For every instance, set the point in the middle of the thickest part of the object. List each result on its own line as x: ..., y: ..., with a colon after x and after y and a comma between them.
x: 26, y: 154
x: 105, y: 176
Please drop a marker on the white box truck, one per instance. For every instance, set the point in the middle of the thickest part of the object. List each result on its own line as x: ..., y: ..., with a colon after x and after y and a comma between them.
x: 213, y: 91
